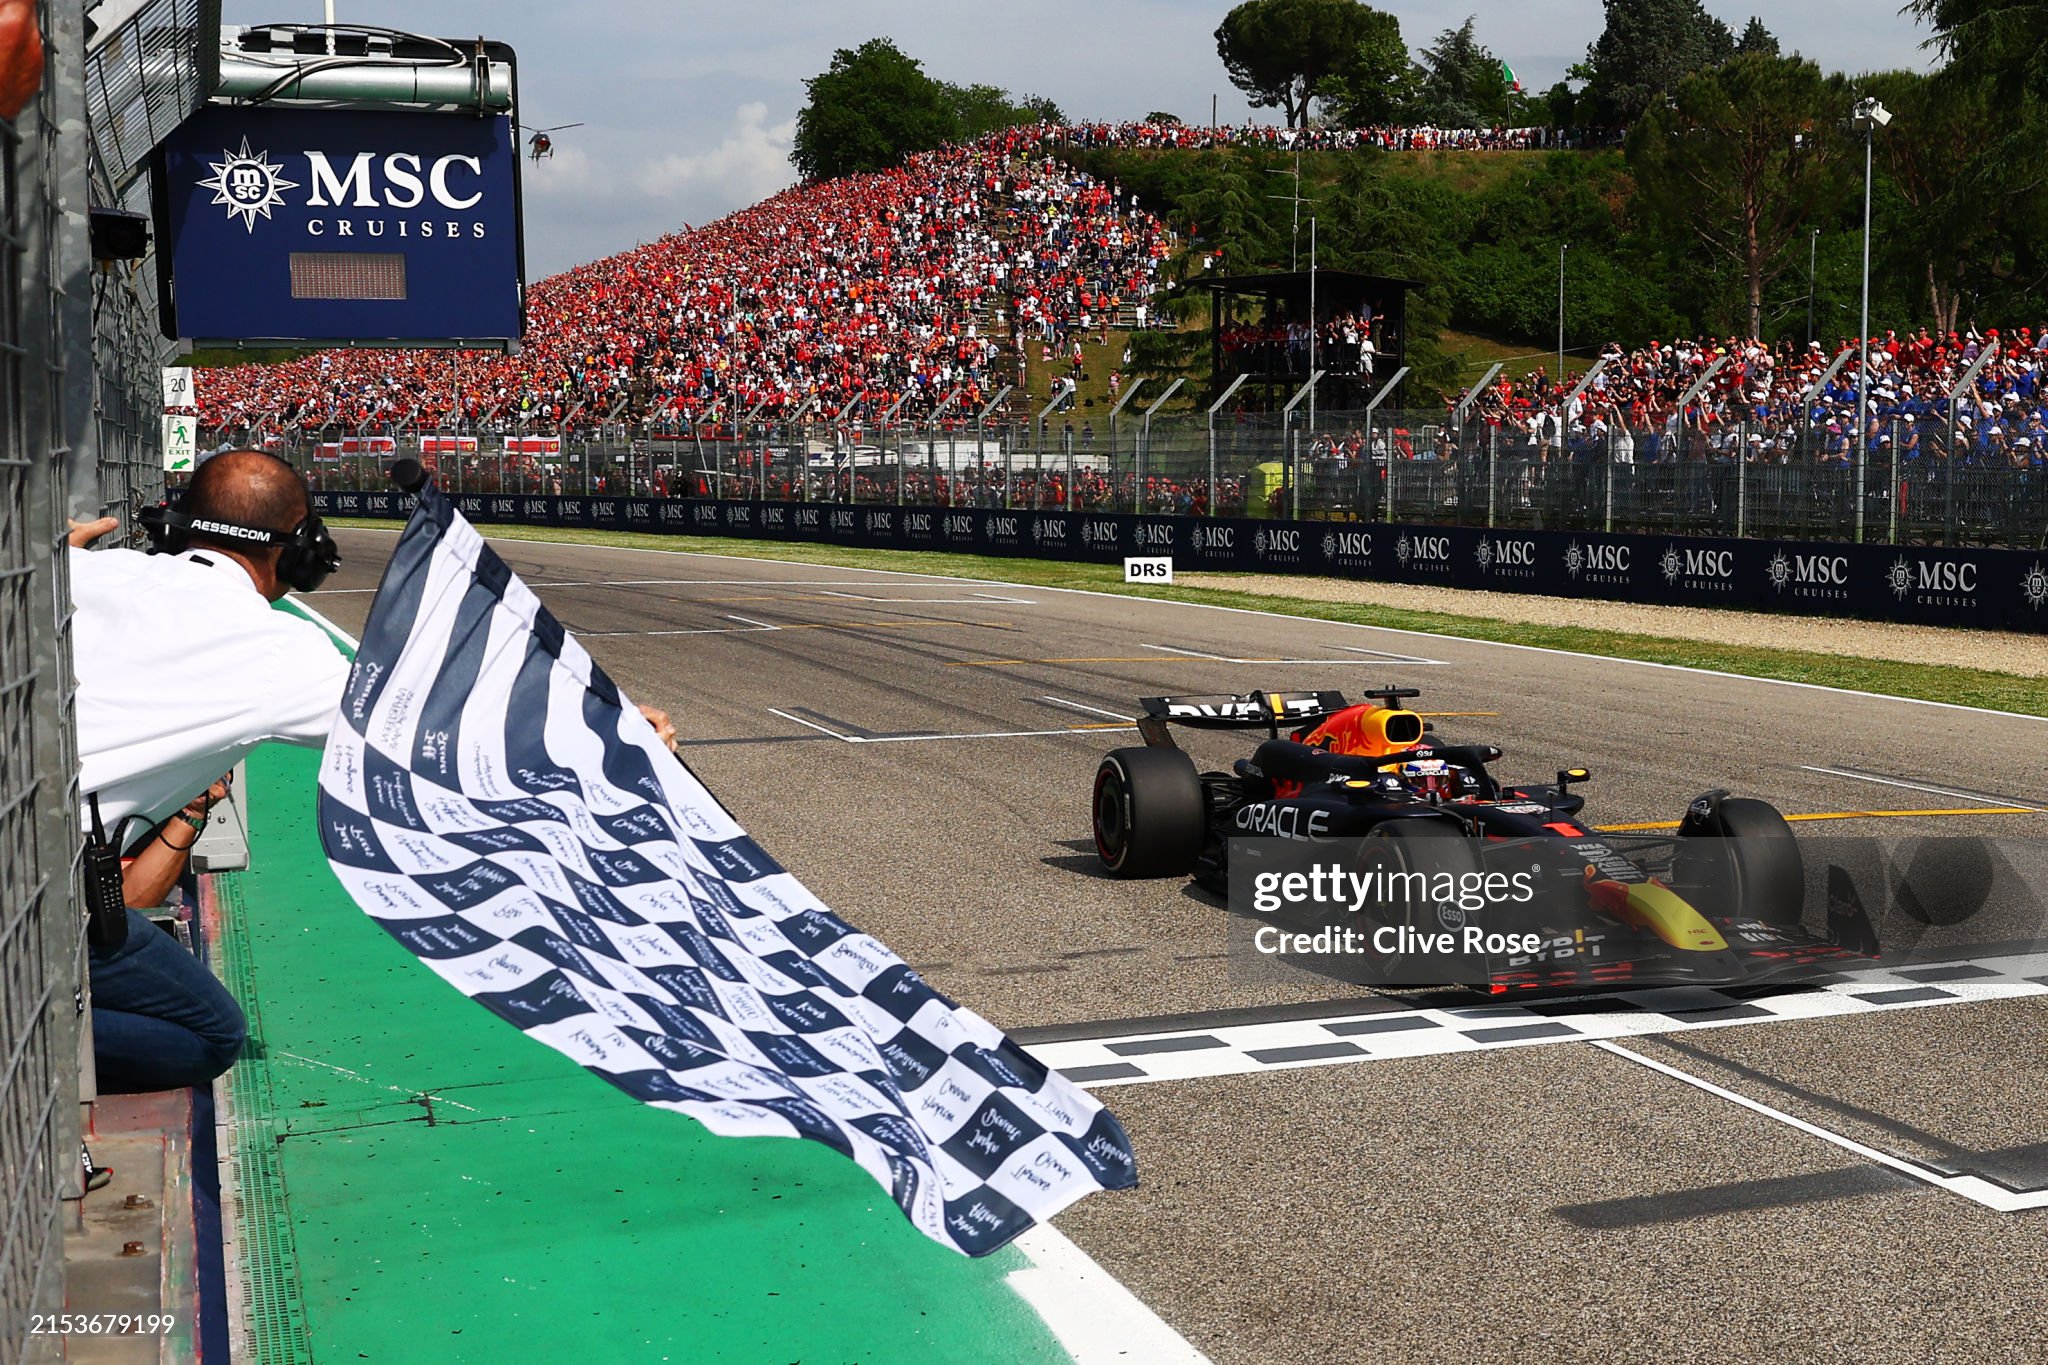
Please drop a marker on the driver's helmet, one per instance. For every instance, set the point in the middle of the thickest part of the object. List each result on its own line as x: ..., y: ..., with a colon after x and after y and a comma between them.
x: 1427, y: 777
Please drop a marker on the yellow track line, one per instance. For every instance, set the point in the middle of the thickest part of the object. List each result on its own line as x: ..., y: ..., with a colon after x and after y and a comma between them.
x: 1835, y: 815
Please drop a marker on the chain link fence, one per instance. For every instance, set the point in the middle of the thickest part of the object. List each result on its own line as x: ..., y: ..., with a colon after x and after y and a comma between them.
x: 1924, y: 481
x: 80, y: 434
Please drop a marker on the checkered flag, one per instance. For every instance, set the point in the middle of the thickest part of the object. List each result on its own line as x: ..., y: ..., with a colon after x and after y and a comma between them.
x: 494, y: 802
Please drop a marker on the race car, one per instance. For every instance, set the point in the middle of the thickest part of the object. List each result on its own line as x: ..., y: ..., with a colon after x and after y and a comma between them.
x: 1719, y: 899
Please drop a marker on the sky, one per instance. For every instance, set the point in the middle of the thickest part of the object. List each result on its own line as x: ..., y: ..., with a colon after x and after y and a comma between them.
x: 688, y: 107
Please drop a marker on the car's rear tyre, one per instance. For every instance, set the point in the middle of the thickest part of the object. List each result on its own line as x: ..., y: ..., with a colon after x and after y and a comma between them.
x: 1741, y: 859
x: 1430, y: 847
x: 1150, y: 816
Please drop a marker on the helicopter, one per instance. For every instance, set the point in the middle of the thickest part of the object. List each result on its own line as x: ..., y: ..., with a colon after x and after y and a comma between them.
x: 541, y: 144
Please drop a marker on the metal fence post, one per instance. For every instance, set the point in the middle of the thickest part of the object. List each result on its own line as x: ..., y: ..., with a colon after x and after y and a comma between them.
x: 1145, y: 437
x: 1215, y: 498
x: 1293, y: 443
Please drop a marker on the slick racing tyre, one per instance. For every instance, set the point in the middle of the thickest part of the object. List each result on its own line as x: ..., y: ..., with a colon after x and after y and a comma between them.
x: 1150, y: 817
x: 1429, y: 847
x: 1741, y: 859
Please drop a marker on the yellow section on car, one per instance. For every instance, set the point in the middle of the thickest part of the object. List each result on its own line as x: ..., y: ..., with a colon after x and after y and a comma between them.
x: 1664, y: 913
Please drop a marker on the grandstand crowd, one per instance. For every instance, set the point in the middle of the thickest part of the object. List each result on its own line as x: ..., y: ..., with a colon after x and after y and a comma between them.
x: 1267, y: 137
x: 848, y: 297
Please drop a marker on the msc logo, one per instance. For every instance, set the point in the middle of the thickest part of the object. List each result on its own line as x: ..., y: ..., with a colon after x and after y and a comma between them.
x: 957, y: 526
x: 247, y: 184
x: 1808, y: 572
x: 1002, y: 528
x: 704, y: 515
x: 843, y: 519
x: 639, y: 511
x: 1702, y: 567
x: 772, y: 517
x: 1154, y: 535
x: 604, y: 511
x: 807, y: 518
x: 1506, y: 555
x: 1098, y: 533
x: 572, y: 507
x: 1595, y: 559
x: 739, y: 516
x: 2034, y: 586
x: 917, y: 523
x: 1215, y: 538
x: 504, y: 507
x: 1049, y: 530
x: 1277, y: 542
x: 1930, y: 582
x: 1347, y: 545
x: 1418, y: 551
x: 881, y: 523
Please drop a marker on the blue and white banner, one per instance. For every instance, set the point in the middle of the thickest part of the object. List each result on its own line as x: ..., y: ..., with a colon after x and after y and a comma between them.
x: 493, y: 801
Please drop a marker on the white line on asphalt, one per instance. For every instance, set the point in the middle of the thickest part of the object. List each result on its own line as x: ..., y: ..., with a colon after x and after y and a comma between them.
x: 1083, y: 706
x: 923, y: 738
x: 1974, y: 1188
x: 735, y: 616
x: 1279, y: 616
x: 971, y: 600
x: 1380, y: 660
x: 1097, y: 1319
x: 813, y: 724
x: 1916, y: 786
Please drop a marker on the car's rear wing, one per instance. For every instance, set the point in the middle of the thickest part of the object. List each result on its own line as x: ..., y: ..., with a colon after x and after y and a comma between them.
x: 1268, y: 711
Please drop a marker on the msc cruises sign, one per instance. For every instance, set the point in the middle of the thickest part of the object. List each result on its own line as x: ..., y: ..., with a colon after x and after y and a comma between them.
x: 341, y: 225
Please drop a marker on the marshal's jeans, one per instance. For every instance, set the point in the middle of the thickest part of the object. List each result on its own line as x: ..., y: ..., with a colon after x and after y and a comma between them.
x: 160, y: 1020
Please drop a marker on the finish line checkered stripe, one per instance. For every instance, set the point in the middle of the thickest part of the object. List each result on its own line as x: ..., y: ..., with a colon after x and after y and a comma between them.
x: 1191, y: 1054
x: 491, y: 799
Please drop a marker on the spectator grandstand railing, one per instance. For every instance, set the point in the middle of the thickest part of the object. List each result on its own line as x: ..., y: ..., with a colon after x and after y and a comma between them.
x: 1923, y: 483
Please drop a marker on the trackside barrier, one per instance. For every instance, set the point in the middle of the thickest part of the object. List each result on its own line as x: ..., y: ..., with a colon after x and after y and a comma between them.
x: 1989, y: 589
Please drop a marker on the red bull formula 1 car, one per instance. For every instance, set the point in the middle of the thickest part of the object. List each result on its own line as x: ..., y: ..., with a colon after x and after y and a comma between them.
x: 1719, y: 899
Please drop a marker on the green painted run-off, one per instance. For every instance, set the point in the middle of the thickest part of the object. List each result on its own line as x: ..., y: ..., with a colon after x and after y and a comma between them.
x: 424, y: 1184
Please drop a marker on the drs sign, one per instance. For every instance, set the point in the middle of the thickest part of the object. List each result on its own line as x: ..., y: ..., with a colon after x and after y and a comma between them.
x: 341, y: 225
x: 1149, y: 569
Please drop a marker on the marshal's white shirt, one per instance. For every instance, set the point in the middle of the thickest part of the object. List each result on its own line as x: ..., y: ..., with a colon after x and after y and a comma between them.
x: 183, y: 668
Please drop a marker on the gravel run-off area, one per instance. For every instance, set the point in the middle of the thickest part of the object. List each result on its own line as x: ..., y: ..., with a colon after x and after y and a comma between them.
x: 1998, y: 651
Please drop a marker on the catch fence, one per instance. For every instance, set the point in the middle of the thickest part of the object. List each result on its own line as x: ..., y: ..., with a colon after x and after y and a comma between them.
x: 1919, y: 482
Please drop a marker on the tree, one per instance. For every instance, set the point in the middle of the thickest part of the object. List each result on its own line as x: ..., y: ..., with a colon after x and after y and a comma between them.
x: 2001, y: 40
x: 1756, y: 38
x: 868, y: 110
x: 1161, y: 117
x: 1746, y: 156
x: 1459, y: 83
x: 1647, y: 48
x: 1279, y: 51
x: 1962, y: 236
x: 979, y: 109
x: 1376, y: 85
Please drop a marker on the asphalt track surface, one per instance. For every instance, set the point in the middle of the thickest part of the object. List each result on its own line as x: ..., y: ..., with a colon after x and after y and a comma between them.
x: 919, y: 750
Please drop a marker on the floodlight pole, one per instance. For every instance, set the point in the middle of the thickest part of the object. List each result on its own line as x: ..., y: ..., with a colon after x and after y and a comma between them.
x: 1215, y: 408
x: 888, y: 425
x: 1863, y: 337
x: 1562, y: 247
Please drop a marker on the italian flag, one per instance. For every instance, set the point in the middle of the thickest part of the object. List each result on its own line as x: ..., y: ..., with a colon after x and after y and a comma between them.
x: 1510, y: 79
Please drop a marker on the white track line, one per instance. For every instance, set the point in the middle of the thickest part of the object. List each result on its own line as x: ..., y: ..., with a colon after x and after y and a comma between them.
x: 1916, y: 786
x: 813, y: 724
x: 1095, y: 1317
x: 1976, y: 1189
x: 1083, y: 706
x: 1381, y: 661
x: 925, y: 738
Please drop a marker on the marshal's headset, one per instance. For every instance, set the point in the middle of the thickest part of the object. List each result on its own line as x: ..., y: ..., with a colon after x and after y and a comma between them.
x: 307, y: 555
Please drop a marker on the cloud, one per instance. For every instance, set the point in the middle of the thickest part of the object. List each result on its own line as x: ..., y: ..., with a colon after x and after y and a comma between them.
x: 750, y: 164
